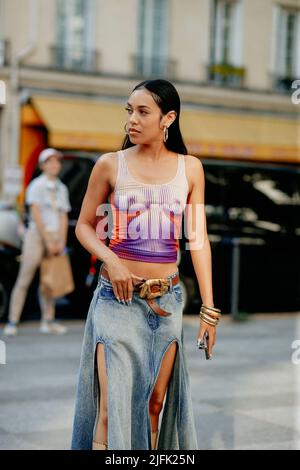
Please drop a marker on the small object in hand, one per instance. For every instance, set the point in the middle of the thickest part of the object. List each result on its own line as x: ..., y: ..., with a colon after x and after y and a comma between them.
x: 202, y: 344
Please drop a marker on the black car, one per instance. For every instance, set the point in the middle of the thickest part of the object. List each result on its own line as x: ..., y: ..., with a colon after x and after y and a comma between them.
x: 253, y: 219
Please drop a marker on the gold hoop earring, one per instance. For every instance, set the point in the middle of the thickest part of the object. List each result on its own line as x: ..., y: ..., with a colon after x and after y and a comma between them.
x: 125, y: 128
x: 166, y: 134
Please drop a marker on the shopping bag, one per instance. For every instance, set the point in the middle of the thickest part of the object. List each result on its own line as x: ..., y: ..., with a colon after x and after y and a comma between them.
x: 56, y: 278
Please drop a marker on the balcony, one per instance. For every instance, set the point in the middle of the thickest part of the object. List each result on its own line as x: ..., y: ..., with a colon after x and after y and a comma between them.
x: 75, y: 58
x: 226, y: 74
x: 153, y: 66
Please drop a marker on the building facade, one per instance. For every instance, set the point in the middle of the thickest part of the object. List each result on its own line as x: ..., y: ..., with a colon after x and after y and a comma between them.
x: 68, y: 66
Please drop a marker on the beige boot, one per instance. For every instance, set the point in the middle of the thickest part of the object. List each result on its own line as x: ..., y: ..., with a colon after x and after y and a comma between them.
x: 99, y: 446
x: 154, y: 439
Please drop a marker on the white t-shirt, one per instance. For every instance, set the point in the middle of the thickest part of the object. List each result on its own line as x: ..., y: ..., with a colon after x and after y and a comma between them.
x: 52, y: 196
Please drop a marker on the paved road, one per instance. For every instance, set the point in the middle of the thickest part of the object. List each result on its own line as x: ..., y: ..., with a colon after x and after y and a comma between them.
x: 247, y: 397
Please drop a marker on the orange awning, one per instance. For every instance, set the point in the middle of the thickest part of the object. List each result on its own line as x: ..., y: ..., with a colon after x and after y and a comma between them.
x: 98, y: 125
x: 81, y: 124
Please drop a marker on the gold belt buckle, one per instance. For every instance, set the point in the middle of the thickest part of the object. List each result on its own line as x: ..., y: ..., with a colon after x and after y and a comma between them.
x: 153, y: 288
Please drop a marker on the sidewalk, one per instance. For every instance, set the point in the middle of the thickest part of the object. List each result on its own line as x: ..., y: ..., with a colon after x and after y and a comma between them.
x: 247, y: 397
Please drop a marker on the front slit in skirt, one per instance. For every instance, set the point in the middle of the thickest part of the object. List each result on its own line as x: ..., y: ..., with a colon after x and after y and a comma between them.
x: 135, y: 340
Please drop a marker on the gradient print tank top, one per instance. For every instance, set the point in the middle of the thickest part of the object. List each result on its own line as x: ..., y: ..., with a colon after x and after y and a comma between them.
x: 147, y: 218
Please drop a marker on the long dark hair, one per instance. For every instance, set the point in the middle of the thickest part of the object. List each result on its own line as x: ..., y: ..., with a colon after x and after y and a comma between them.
x: 166, y: 97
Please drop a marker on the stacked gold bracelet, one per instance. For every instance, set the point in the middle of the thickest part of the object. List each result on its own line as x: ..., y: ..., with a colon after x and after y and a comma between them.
x: 210, y: 315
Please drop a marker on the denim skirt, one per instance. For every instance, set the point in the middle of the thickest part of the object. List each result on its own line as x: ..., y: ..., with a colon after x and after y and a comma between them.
x: 135, y: 340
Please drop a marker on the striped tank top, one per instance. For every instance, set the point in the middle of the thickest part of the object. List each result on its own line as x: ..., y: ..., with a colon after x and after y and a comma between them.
x: 147, y: 218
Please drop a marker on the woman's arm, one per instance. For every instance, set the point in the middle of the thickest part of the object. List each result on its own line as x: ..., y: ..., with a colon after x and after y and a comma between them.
x: 97, y: 192
x: 199, y: 244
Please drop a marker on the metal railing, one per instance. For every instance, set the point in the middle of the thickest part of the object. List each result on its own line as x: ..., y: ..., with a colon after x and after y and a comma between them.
x: 226, y: 74
x: 153, y: 66
x: 75, y: 58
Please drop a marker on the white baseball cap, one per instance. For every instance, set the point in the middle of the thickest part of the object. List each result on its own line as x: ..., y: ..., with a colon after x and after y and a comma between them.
x: 47, y: 153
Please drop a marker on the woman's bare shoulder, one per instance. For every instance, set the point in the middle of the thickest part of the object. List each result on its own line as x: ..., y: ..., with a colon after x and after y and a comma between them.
x: 106, y: 165
x: 106, y: 160
x: 194, y: 170
x: 107, y: 168
x: 193, y: 162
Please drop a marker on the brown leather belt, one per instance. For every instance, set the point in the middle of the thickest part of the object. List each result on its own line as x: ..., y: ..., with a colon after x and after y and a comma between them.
x: 149, y: 289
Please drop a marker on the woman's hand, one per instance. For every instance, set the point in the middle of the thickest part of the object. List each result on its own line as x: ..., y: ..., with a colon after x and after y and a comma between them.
x: 61, y: 247
x: 54, y: 248
x: 122, y: 280
x: 210, y: 332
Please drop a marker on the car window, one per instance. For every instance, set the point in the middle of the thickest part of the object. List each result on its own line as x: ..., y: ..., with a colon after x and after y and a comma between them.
x: 252, y: 200
x: 75, y: 174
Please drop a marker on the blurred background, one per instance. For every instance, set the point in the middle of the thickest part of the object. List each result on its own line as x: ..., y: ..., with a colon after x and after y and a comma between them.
x: 66, y: 69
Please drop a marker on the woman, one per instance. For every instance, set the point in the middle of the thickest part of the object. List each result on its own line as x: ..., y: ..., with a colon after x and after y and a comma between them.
x: 132, y: 356
x: 48, y: 199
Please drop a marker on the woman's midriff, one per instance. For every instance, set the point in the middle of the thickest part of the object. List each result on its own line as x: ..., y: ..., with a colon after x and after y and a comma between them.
x: 146, y: 270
